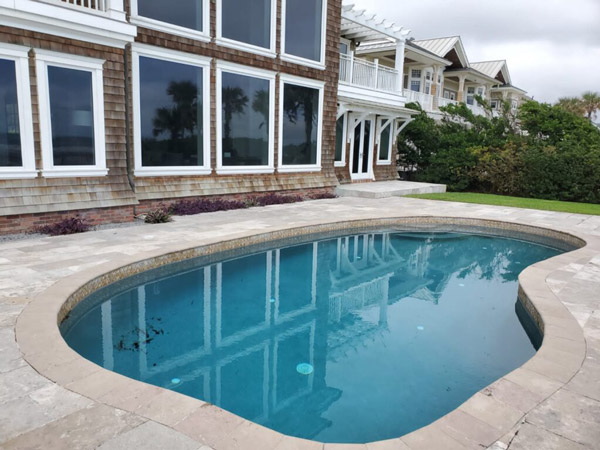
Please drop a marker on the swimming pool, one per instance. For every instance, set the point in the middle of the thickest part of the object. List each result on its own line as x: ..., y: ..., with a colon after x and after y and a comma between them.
x: 346, y: 339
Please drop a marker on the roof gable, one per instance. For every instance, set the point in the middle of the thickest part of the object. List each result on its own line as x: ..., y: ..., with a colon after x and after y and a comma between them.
x: 449, y: 48
x: 494, y: 69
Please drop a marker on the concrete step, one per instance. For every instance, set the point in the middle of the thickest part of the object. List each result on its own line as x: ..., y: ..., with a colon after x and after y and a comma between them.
x: 384, y: 189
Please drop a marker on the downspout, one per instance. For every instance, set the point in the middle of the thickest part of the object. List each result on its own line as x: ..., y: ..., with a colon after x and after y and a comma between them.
x: 128, y: 150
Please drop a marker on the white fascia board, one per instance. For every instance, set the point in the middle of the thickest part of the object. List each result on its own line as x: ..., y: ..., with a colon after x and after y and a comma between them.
x: 384, y: 99
x: 68, y: 23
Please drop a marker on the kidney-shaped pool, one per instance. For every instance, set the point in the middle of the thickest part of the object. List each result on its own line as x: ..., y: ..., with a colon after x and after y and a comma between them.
x: 347, y: 339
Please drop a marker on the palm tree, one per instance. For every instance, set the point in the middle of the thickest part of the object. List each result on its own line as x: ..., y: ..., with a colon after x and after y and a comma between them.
x: 182, y: 116
x: 573, y: 105
x: 234, y: 101
x: 299, y: 98
x: 260, y: 104
x: 591, y: 104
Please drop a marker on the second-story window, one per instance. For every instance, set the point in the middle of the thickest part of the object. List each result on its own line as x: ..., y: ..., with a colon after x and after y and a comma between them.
x: 415, y: 80
x: 304, y: 30
x: 249, y: 23
x: 470, y: 96
x: 188, y: 18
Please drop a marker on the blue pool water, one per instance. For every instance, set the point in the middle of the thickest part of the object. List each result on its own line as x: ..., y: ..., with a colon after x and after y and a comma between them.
x: 352, y: 339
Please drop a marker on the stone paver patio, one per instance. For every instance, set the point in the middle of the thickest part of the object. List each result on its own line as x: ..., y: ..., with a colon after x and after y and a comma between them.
x: 552, y: 402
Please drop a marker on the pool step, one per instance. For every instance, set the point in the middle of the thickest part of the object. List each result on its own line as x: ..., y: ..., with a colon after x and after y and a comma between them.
x: 385, y: 189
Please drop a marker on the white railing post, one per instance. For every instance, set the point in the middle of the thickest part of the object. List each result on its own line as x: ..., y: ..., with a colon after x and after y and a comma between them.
x: 115, y: 9
x: 351, y: 77
x: 376, y: 82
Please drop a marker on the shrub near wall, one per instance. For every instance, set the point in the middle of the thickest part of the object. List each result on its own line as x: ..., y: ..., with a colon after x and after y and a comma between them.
x: 555, y: 155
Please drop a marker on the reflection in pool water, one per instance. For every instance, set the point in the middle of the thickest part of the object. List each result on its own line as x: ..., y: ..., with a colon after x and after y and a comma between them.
x: 352, y: 339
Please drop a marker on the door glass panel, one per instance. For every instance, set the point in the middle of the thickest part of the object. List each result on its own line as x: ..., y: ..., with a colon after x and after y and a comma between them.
x: 356, y: 150
x: 384, y: 144
x: 339, y: 139
x: 366, y: 148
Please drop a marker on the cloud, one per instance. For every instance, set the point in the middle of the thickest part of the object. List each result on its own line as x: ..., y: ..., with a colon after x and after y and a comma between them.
x: 552, y: 46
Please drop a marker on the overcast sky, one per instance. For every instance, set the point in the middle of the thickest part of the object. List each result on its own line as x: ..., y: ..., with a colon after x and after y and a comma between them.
x: 552, y: 46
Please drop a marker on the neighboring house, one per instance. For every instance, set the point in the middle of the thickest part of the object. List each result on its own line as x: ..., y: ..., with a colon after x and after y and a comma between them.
x: 437, y: 72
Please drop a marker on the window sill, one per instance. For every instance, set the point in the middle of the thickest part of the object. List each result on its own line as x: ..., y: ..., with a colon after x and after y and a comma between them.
x: 169, y: 28
x: 303, y: 61
x: 339, y: 164
x: 171, y: 171
x: 291, y: 169
x: 74, y: 173
x: 244, y: 170
x: 242, y: 46
x: 384, y: 163
x: 17, y: 173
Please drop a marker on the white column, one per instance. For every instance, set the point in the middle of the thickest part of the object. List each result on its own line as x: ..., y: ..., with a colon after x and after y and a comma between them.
x: 461, y: 89
x: 400, y: 47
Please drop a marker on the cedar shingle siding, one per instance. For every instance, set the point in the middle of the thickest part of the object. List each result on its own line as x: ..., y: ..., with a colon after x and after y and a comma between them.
x: 28, y: 202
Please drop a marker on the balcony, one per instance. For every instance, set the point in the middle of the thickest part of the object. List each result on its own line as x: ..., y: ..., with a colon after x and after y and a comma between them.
x: 96, y: 21
x: 363, y: 73
x: 425, y: 100
x: 446, y: 101
x: 477, y: 110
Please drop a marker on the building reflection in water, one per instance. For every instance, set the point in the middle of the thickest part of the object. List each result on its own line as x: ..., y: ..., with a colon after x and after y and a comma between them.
x: 234, y: 332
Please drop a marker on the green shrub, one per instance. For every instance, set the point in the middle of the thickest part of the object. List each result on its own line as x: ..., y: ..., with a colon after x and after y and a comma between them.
x: 161, y: 215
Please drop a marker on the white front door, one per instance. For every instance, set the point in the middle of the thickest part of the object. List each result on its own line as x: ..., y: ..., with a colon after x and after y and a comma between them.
x: 361, y: 147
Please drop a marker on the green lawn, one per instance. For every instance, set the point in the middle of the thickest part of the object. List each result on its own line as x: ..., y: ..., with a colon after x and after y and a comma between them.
x: 517, y: 202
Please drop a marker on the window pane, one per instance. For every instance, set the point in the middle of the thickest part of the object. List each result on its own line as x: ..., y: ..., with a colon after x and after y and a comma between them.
x: 303, y: 28
x: 187, y: 13
x: 72, y: 116
x: 300, y: 124
x: 10, y: 134
x: 247, y: 21
x: 415, y: 86
x: 171, y: 113
x: 339, y: 139
x: 384, y: 144
x: 245, y: 120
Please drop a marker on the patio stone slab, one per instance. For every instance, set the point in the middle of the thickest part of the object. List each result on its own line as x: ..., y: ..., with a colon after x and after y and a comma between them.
x: 552, y: 402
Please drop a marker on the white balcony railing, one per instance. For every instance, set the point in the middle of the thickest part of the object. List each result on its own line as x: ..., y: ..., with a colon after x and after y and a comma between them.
x: 425, y: 100
x: 361, y: 72
x: 86, y: 5
x: 477, y: 110
x: 446, y: 101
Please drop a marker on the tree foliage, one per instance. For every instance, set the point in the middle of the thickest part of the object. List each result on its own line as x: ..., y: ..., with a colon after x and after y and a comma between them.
x: 544, y: 151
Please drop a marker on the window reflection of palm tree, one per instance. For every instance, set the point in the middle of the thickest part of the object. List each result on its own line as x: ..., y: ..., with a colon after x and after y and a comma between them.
x: 260, y: 104
x: 296, y: 100
x: 234, y: 101
x: 180, y: 118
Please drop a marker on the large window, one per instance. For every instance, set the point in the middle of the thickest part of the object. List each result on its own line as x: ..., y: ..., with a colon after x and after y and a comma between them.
x: 188, y: 18
x: 249, y: 25
x: 340, y: 141
x: 304, y: 31
x: 70, y: 90
x: 16, y: 126
x: 171, y: 113
x: 386, y: 139
x: 245, y: 119
x: 300, y: 124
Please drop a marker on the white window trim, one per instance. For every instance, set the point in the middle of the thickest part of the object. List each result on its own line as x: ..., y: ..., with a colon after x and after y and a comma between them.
x: 20, y: 56
x: 95, y: 66
x: 297, y: 59
x: 303, y: 82
x: 380, y: 122
x: 248, y: 72
x: 243, y: 46
x: 181, y: 58
x: 342, y: 163
x: 170, y: 28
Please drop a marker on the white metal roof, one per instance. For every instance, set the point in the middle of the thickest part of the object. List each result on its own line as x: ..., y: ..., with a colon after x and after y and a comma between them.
x: 492, y: 68
x: 361, y: 26
x: 442, y: 46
